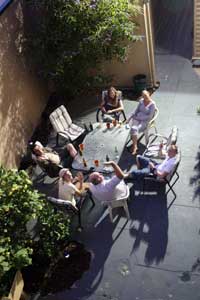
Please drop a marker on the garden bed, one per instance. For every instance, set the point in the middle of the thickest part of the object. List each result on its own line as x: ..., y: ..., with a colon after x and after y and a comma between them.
x: 61, y: 274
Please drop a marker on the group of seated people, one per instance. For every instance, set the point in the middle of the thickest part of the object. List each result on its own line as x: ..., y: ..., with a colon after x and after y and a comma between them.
x: 112, y: 106
x: 100, y: 187
x: 114, y: 187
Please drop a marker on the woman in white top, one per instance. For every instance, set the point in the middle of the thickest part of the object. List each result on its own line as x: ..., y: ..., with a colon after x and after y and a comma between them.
x: 140, y: 118
x: 66, y: 188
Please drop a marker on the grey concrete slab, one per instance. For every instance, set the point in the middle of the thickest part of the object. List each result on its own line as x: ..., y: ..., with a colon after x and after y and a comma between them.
x: 153, y: 255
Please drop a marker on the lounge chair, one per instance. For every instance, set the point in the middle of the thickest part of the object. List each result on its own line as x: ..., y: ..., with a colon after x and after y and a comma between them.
x: 63, y: 125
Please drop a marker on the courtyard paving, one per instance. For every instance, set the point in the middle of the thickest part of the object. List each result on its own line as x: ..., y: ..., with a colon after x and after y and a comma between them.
x: 154, y: 255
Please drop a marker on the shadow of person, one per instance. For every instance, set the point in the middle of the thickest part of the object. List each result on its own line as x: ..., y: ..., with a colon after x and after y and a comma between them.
x: 99, y: 241
x: 150, y: 226
x: 195, y: 179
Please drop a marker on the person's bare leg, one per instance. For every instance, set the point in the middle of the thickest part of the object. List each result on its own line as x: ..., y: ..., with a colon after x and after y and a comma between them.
x: 134, y: 146
x: 72, y: 151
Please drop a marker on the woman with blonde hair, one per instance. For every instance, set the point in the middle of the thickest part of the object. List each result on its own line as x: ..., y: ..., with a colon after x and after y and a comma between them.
x: 66, y: 187
x: 112, y: 104
x: 140, y: 118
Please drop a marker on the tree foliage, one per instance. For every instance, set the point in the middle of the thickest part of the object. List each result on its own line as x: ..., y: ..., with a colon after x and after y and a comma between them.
x: 21, y: 205
x: 71, y: 38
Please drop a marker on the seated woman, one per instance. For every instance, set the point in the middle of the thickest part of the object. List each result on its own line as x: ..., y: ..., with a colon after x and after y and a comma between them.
x: 66, y: 187
x: 140, y: 118
x: 112, y: 104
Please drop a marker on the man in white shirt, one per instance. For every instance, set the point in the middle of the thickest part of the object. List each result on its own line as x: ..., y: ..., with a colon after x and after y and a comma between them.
x: 146, y: 166
x: 103, y: 189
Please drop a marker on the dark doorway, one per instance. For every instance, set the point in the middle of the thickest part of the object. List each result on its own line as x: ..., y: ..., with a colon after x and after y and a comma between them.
x: 173, y: 26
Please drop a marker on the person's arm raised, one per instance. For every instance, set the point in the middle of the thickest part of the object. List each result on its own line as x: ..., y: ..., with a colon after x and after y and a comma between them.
x: 118, y: 171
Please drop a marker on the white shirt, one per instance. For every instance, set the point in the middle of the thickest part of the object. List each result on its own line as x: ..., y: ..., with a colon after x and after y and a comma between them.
x: 167, y: 165
x: 108, y: 189
x: 66, y: 191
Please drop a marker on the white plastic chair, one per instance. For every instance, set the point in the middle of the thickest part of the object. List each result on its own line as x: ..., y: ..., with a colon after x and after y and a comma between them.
x: 151, y: 124
x: 153, y: 146
x: 63, y: 125
x: 120, y: 202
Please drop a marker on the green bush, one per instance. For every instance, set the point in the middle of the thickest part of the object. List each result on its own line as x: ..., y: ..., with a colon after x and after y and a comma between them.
x: 71, y: 38
x: 21, y: 205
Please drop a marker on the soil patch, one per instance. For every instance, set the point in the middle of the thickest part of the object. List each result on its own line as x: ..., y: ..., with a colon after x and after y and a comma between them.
x: 51, y: 277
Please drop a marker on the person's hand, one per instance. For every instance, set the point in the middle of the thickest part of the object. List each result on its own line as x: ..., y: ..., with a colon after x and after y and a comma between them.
x: 109, y: 111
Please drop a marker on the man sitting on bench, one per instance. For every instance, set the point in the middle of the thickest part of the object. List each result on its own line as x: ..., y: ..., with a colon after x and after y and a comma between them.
x: 146, y: 166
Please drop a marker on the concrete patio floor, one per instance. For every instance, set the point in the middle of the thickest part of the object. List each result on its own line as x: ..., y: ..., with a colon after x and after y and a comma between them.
x: 154, y: 255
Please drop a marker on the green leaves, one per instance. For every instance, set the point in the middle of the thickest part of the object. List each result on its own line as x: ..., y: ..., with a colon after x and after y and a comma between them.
x: 74, y: 36
x: 21, y: 206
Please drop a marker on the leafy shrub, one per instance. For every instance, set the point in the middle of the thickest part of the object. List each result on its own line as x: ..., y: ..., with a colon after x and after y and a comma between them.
x: 71, y: 38
x: 21, y: 206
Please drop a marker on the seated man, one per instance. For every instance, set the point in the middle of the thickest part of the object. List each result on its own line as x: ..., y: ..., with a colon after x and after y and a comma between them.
x: 50, y: 160
x: 146, y: 166
x: 107, y: 189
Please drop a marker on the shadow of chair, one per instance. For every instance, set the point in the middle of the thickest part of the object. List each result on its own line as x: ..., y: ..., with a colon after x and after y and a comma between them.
x: 149, y: 226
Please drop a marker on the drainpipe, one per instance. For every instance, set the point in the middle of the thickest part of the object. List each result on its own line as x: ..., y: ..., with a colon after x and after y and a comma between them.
x: 149, y: 40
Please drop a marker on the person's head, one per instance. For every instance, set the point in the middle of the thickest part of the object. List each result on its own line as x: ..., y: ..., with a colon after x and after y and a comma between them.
x: 38, y: 149
x: 96, y: 178
x: 172, y: 150
x: 112, y: 93
x: 65, y: 175
x: 146, y: 95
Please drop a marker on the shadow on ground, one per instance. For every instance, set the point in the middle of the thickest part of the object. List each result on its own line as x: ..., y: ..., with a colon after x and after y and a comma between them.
x: 195, y: 180
x: 149, y: 214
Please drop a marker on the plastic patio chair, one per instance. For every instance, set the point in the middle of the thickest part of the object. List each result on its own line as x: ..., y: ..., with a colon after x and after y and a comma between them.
x: 169, y: 181
x: 67, y: 207
x: 151, y: 124
x: 119, y: 202
x: 153, y: 147
x: 63, y: 125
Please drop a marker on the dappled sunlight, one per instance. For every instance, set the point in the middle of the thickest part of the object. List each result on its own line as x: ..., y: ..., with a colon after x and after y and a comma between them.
x: 21, y: 98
